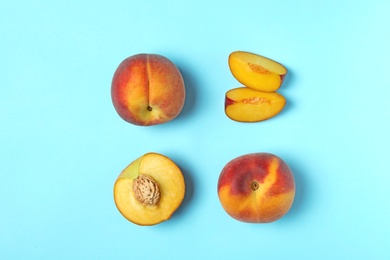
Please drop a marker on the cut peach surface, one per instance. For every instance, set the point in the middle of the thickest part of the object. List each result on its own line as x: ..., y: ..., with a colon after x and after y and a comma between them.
x: 255, y: 71
x: 149, y: 190
x: 248, y: 105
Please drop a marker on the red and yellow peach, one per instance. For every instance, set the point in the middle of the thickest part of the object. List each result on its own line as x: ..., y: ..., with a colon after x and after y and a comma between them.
x: 256, y: 188
x: 147, y: 89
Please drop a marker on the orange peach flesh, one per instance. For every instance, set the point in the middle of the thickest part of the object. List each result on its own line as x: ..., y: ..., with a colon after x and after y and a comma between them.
x: 248, y: 105
x: 256, y: 189
x: 147, y: 89
x: 256, y: 72
x: 171, y: 184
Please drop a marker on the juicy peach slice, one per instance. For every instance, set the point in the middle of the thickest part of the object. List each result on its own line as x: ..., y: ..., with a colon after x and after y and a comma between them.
x: 149, y: 190
x: 256, y: 72
x: 248, y: 105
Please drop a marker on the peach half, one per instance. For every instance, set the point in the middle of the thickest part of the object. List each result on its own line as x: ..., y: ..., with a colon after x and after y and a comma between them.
x: 147, y: 89
x: 256, y: 72
x: 256, y: 188
x: 248, y: 105
x: 149, y: 190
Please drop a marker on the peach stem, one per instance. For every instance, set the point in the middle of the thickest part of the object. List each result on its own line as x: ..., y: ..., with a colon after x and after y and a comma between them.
x: 254, y: 185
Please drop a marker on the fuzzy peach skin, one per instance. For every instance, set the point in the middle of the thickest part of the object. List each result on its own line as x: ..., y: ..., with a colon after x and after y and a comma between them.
x: 256, y: 188
x: 256, y: 71
x: 147, y: 89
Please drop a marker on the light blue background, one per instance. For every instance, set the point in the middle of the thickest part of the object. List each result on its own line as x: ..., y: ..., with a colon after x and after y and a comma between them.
x: 62, y: 145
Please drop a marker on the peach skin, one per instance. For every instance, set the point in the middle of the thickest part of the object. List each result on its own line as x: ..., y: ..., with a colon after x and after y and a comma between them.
x: 147, y: 89
x: 256, y: 188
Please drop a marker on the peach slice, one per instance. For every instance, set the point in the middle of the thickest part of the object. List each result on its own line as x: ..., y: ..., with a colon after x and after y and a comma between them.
x: 256, y: 188
x: 149, y: 190
x: 248, y: 105
x: 256, y: 72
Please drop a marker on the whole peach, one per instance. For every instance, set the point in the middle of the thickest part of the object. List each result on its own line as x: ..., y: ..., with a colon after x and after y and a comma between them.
x: 256, y: 188
x: 147, y: 89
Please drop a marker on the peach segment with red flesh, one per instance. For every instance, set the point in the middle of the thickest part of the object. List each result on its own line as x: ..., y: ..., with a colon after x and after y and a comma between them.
x: 149, y: 190
x: 147, y: 89
x: 256, y: 188
x: 248, y: 105
x: 256, y: 72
